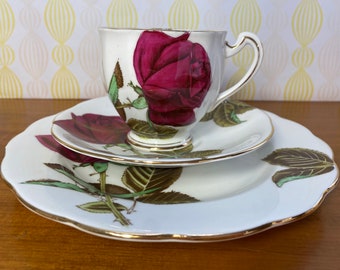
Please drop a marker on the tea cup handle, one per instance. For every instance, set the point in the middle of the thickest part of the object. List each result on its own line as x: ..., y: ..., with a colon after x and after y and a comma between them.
x: 244, y: 39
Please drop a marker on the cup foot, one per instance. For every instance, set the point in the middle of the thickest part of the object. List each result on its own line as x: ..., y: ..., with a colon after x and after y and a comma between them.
x: 159, y: 145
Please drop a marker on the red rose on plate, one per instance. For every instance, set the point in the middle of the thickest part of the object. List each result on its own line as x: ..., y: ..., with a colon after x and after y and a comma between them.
x: 49, y: 142
x: 174, y: 74
x: 96, y: 128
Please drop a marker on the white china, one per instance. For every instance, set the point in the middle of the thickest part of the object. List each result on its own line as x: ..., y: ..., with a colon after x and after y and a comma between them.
x: 237, y: 197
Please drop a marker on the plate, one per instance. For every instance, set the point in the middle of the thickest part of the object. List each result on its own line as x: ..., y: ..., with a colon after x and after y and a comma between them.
x: 283, y: 181
x: 240, y: 130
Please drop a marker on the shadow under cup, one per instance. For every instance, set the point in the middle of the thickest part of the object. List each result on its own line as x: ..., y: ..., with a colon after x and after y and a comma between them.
x: 163, y: 82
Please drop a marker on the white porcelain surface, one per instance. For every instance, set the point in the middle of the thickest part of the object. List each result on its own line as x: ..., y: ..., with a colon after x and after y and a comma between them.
x: 170, y: 78
x: 238, y: 196
x: 255, y: 130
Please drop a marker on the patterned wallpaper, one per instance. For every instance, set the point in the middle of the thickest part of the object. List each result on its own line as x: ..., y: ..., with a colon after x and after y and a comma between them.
x: 50, y: 49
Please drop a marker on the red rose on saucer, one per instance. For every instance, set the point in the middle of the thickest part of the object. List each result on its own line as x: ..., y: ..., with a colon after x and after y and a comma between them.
x: 96, y: 128
x: 175, y: 75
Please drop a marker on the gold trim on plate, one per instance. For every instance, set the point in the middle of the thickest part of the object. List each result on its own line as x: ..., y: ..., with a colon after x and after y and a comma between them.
x: 158, y: 237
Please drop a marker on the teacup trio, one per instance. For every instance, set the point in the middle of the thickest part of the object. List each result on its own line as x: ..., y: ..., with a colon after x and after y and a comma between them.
x: 162, y: 82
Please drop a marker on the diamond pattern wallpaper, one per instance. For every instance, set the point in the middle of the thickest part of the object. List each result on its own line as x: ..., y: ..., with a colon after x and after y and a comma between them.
x: 51, y: 49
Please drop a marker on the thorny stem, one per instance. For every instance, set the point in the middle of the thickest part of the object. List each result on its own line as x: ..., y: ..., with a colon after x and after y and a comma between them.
x: 119, y: 216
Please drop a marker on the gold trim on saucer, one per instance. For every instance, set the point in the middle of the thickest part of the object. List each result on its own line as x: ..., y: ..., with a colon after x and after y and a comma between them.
x: 159, y: 161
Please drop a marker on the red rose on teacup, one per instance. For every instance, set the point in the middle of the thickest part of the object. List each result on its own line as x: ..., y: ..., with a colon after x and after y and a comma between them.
x: 96, y: 128
x: 174, y: 74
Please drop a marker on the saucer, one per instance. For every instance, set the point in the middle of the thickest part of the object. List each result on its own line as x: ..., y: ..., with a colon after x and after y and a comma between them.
x: 283, y: 181
x: 216, y: 139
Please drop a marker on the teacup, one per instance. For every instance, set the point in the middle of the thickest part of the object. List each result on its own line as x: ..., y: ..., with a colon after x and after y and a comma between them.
x: 162, y: 82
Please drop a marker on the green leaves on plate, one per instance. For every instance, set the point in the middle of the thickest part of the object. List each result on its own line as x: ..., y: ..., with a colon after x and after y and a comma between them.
x: 143, y: 178
x: 301, y: 163
x: 140, y: 179
x: 55, y: 183
x: 153, y: 185
x: 101, y: 207
x: 171, y: 197
x: 226, y: 114
x: 140, y: 184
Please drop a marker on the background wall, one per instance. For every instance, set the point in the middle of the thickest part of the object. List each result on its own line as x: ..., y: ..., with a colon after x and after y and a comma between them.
x: 50, y: 49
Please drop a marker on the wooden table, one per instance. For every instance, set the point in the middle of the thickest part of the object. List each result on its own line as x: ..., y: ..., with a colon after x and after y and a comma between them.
x: 28, y: 241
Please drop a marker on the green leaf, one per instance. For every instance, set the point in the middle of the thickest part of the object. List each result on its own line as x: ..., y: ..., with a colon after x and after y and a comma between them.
x: 224, y: 115
x: 116, y: 83
x: 144, y: 129
x: 60, y: 168
x: 115, y: 191
x: 240, y: 107
x: 147, y: 178
x: 125, y: 146
x: 284, y: 176
x: 65, y: 171
x: 55, y: 183
x: 302, y: 163
x: 181, y: 152
x: 100, y: 167
x: 299, y: 158
x: 207, y: 117
x: 113, y: 89
x: 139, y: 103
x: 100, y: 207
x: 171, y: 197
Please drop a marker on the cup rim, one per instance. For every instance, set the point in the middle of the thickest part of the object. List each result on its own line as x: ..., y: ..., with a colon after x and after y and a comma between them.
x: 173, y: 30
